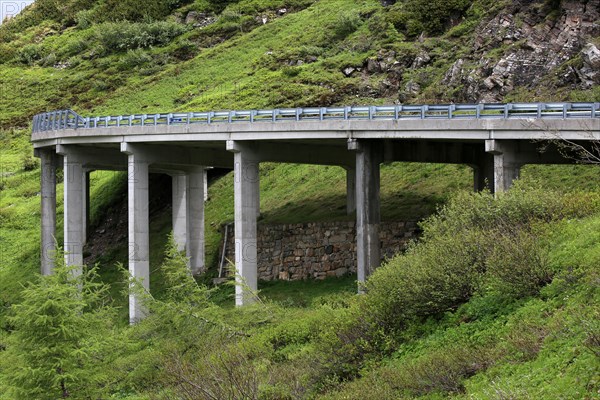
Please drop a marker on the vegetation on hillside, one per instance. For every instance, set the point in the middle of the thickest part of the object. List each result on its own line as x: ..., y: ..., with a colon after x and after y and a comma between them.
x: 492, y: 290
x: 499, y: 299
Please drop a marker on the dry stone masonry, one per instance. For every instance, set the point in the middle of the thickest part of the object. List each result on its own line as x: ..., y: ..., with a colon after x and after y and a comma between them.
x: 318, y: 250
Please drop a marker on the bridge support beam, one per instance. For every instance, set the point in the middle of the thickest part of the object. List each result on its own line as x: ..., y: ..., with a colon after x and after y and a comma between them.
x: 369, y: 155
x: 196, y: 180
x: 48, y: 208
x: 506, y: 163
x: 138, y: 215
x: 246, y: 199
x: 74, y: 206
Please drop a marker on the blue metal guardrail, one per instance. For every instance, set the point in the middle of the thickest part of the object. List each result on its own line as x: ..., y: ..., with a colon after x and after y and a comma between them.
x: 68, y: 119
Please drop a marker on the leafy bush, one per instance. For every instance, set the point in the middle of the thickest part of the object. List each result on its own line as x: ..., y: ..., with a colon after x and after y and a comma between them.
x: 345, y: 24
x: 85, y: 19
x: 7, y: 52
x: 133, y: 10
x: 414, y: 16
x: 134, y: 58
x: 30, y: 53
x: 29, y: 163
x: 119, y: 36
x: 475, y: 244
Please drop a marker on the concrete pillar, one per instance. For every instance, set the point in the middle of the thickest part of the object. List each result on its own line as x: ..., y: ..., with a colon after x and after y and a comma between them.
x: 48, y: 209
x: 179, y: 193
x: 205, y: 184
x: 196, y: 180
x: 86, y: 204
x: 506, y: 165
x: 138, y: 216
x: 246, y: 199
x: 350, y: 190
x: 74, y: 208
x: 369, y: 155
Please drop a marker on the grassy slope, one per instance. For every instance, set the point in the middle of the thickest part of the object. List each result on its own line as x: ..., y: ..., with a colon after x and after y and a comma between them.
x: 230, y: 76
x: 536, y: 348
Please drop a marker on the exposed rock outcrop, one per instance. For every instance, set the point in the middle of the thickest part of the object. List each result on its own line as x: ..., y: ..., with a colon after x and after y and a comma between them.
x: 524, y: 47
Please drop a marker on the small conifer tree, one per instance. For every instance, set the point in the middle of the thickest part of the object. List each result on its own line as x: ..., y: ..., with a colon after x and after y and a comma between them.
x: 59, y: 329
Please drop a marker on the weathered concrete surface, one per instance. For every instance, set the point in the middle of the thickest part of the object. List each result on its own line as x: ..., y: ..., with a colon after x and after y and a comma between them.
x: 196, y: 179
x: 48, y: 205
x: 246, y: 203
x: 179, y: 193
x: 369, y: 155
x: 74, y: 206
x: 507, y: 164
x: 138, y: 221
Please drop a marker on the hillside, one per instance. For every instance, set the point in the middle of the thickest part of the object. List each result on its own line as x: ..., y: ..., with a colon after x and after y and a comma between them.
x: 115, y: 57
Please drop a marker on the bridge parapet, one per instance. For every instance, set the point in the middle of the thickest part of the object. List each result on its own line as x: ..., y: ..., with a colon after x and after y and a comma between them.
x: 68, y: 119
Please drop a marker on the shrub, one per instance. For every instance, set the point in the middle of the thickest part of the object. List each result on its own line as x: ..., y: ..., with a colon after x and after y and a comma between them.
x: 134, y: 58
x: 120, y: 36
x: 85, y: 19
x: 439, y: 371
x: 476, y: 243
x: 432, y: 17
x: 7, y: 52
x: 29, y: 163
x: 133, y: 10
x: 30, y: 53
x: 345, y: 24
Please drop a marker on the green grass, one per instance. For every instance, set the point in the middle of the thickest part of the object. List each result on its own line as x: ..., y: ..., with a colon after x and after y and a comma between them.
x: 240, y: 69
x: 294, y: 294
x: 536, y: 348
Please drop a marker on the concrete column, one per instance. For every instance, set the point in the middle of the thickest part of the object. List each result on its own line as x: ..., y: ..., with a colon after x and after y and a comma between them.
x: 195, y: 219
x: 179, y: 193
x: 350, y: 190
x: 506, y: 165
x: 74, y: 208
x: 205, y: 184
x: 86, y: 204
x: 246, y: 199
x: 138, y: 216
x: 48, y: 208
x: 369, y: 155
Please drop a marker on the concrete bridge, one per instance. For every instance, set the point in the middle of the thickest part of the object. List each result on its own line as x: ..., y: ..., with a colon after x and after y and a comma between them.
x: 494, y: 139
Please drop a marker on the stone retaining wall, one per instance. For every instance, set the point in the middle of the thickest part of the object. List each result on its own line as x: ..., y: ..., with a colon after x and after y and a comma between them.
x: 317, y: 250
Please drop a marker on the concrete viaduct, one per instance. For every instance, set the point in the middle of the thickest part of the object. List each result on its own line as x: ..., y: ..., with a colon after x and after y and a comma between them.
x: 494, y: 139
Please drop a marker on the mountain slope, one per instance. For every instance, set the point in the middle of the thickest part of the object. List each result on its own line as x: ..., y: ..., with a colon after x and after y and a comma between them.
x: 108, y: 57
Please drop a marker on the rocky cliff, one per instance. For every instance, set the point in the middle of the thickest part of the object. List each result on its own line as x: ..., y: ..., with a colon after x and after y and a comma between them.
x: 527, y: 50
